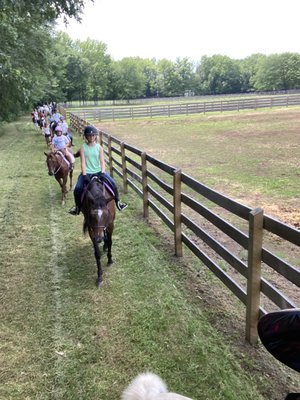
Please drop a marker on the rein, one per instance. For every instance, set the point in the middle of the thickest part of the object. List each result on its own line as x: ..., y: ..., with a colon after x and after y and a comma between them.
x: 60, y: 164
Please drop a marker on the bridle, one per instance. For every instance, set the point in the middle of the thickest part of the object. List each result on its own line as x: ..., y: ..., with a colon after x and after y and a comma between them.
x: 60, y: 163
x: 99, y: 227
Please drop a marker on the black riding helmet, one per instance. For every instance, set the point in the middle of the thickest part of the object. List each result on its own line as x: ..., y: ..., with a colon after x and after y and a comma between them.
x: 90, y: 130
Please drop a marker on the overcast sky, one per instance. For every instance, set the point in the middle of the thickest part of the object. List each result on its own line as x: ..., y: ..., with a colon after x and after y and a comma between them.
x: 191, y: 28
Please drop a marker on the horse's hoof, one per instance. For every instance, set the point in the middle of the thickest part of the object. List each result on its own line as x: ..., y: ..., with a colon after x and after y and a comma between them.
x: 110, y: 263
x: 99, y: 283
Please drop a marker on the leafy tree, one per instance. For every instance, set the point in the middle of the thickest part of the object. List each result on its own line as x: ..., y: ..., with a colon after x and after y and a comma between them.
x: 114, y: 81
x: 26, y: 33
x: 76, y: 78
x: 185, y: 70
x: 278, y: 72
x: 97, y: 64
x: 218, y: 75
x: 249, y: 67
x: 149, y: 68
x: 41, y: 10
x: 168, y: 79
x: 131, y: 79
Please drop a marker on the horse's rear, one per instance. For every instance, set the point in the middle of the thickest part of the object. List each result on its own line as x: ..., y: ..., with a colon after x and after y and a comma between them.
x: 99, y: 210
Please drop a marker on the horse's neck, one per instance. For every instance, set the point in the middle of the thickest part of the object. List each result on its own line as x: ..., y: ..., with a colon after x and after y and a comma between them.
x: 61, y: 157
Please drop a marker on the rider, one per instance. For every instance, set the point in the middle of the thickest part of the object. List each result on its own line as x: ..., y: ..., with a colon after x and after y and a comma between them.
x: 61, y: 143
x: 92, y: 163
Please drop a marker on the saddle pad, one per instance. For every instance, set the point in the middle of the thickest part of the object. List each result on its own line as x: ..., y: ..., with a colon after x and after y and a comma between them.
x: 109, y: 188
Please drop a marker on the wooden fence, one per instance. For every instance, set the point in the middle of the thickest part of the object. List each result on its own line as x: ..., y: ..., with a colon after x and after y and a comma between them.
x: 133, y: 112
x: 239, y: 254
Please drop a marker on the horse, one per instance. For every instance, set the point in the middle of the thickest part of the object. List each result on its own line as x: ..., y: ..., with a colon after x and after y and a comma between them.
x: 99, y: 210
x: 58, y: 167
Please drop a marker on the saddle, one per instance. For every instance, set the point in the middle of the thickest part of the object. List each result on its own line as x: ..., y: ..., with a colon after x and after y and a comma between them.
x: 64, y: 158
x: 104, y: 181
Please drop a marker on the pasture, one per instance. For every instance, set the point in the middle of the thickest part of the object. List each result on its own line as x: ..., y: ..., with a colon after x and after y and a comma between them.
x: 251, y: 156
x: 62, y: 338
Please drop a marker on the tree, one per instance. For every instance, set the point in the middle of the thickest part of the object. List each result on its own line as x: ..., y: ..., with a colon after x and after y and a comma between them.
x: 131, y: 79
x: 149, y: 68
x: 249, y: 67
x: 26, y: 32
x: 97, y: 64
x: 185, y: 70
x: 218, y: 75
x: 278, y: 72
x: 76, y: 83
x: 41, y: 10
x: 168, y: 79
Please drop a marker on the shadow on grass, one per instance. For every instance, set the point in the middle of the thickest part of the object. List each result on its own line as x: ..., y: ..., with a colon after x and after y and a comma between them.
x: 81, y: 263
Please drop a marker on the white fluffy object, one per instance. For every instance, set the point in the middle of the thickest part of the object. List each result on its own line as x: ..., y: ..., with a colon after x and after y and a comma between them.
x: 148, y: 386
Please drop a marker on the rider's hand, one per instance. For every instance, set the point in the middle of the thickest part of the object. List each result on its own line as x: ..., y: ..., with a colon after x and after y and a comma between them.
x: 86, y: 179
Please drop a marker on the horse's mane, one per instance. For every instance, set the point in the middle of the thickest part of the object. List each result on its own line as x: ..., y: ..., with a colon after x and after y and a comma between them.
x: 95, y: 191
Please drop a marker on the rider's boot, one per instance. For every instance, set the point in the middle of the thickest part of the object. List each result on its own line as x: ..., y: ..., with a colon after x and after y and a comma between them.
x: 121, y: 206
x: 74, y: 210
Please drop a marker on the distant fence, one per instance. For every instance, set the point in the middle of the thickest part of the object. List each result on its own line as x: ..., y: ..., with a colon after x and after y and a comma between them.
x: 168, y: 110
x: 187, y: 207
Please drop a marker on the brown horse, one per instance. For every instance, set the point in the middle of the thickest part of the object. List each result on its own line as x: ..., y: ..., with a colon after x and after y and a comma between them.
x: 59, y: 167
x: 98, y: 208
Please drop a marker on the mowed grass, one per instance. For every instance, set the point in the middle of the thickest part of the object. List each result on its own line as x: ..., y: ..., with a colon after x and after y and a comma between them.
x: 252, y: 156
x: 61, y: 337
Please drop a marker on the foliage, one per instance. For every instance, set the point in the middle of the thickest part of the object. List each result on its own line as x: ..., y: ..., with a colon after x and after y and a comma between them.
x: 38, y: 64
x: 278, y: 71
x: 219, y: 75
x: 26, y: 59
x: 40, y: 10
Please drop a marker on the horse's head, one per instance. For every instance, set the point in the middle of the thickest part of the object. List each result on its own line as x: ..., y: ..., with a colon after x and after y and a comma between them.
x: 98, y: 214
x: 51, y: 161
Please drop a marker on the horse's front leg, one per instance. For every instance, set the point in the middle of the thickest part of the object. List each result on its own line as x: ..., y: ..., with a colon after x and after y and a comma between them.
x: 64, y: 190
x: 61, y: 184
x: 108, y: 245
x: 99, y: 281
x: 71, y: 178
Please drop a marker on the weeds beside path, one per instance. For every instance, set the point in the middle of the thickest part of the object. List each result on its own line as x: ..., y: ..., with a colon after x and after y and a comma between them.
x: 61, y: 338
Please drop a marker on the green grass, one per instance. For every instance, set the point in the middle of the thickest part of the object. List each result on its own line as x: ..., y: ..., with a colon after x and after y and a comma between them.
x: 61, y: 338
x: 250, y: 155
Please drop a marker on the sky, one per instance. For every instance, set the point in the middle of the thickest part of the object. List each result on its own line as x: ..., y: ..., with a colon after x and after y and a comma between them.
x: 190, y: 28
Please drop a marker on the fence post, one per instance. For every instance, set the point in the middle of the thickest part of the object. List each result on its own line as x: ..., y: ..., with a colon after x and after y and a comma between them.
x: 145, y: 185
x: 256, y: 219
x: 110, y: 160
x: 101, y: 138
x: 124, y: 171
x: 177, y: 212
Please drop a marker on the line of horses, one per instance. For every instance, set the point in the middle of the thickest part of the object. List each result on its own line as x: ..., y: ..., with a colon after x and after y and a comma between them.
x: 98, y: 207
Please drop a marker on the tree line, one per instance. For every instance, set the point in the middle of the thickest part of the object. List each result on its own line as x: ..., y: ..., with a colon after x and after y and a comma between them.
x: 39, y: 64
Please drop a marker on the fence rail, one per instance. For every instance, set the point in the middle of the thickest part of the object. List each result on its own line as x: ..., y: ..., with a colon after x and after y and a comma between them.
x: 168, y: 110
x: 193, y: 212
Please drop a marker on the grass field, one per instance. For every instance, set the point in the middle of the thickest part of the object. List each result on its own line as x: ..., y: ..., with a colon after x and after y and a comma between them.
x: 61, y: 338
x: 252, y: 156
